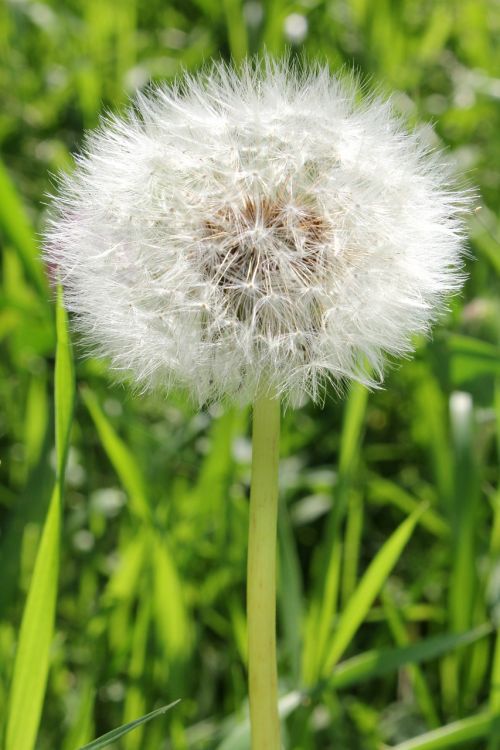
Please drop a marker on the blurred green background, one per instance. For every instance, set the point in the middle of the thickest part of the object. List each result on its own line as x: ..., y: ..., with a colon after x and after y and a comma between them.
x: 150, y: 601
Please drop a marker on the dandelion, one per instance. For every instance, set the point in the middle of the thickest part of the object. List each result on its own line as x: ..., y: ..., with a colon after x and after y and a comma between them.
x: 254, y: 236
x: 235, y: 232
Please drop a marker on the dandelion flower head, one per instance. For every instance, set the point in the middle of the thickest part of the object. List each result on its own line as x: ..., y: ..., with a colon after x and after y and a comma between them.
x: 267, y: 228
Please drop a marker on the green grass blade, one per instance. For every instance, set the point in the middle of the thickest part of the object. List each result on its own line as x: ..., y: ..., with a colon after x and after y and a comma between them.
x: 290, y: 592
x: 115, y: 734
x: 494, y: 696
x: 416, y: 677
x: 487, y: 245
x: 324, y: 600
x: 463, y: 583
x: 379, y: 662
x: 367, y: 590
x: 120, y: 456
x: 169, y: 606
x: 64, y: 388
x: 272, y: 39
x: 135, y: 700
x: 451, y: 735
x: 16, y: 226
x: 124, y: 583
x: 432, y: 422
x: 120, y: 594
x: 352, y: 430
x: 466, y: 496
x: 82, y: 729
x: 236, y: 29
x: 352, y: 544
x: 319, y: 618
x: 471, y: 358
x: 382, y: 491
x: 37, y: 420
x: 32, y: 660
x: 212, y: 487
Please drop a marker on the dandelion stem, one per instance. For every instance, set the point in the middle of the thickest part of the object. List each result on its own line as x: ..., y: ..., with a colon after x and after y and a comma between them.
x: 261, y: 585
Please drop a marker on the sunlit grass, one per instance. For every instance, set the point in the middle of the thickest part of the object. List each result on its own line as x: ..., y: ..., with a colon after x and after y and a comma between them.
x: 389, y: 536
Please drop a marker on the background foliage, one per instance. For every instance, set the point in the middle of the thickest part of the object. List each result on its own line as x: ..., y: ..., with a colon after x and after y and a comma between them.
x: 150, y: 567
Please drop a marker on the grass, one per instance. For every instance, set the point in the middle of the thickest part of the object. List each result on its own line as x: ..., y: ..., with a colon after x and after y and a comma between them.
x: 389, y: 529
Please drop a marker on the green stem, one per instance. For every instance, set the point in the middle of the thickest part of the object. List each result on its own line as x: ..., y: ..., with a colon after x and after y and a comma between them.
x: 261, y: 581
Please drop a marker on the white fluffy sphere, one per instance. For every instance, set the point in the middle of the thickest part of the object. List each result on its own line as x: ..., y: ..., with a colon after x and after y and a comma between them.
x: 268, y: 229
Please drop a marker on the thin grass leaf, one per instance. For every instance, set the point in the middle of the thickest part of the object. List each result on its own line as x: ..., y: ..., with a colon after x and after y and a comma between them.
x: 379, y: 662
x: 487, y: 246
x: 417, y: 679
x: 273, y: 38
x: 494, y: 696
x: 434, y: 38
x: 324, y: 600
x: 319, y: 619
x: 37, y: 419
x: 451, y: 735
x: 169, y: 606
x: 470, y: 358
x: 120, y: 456
x: 16, y: 226
x: 352, y: 430
x: 236, y: 29
x: 432, y: 421
x: 32, y: 660
x: 64, y: 388
x: 82, y: 729
x: 115, y: 734
x: 210, y: 8
x: 368, y: 589
x: 211, y: 490
x: 135, y: 700
x: 125, y: 580
x: 121, y: 592
x: 352, y: 544
x: 290, y: 592
x: 463, y: 583
x: 385, y: 491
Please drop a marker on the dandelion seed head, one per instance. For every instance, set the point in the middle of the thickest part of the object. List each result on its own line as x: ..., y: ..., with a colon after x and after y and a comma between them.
x: 267, y: 229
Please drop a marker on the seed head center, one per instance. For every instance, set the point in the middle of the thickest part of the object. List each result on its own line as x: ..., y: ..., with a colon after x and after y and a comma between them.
x: 264, y: 255
x: 269, y: 245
